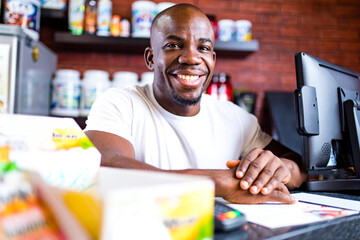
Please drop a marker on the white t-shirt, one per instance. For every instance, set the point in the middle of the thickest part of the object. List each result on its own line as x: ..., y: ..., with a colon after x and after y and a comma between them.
x: 221, y: 131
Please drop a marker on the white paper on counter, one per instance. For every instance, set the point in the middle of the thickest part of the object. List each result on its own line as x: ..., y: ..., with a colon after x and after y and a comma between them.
x: 328, y: 201
x: 276, y: 215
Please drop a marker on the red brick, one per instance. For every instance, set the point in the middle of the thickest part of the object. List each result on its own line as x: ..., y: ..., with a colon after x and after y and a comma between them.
x: 259, y: 7
x: 299, y: 32
x: 276, y: 67
x: 339, y: 34
x: 344, y: 10
x: 216, y: 6
x: 299, y: 8
x: 311, y: 21
x: 318, y: 45
x: 352, y: 46
x: 278, y: 20
x: 349, y: 23
x: 279, y: 44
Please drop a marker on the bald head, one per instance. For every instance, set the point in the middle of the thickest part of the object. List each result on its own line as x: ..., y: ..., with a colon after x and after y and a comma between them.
x: 180, y: 12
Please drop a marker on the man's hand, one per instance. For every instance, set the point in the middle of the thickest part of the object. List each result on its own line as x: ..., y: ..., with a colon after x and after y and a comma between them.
x: 261, y: 171
x: 227, y: 186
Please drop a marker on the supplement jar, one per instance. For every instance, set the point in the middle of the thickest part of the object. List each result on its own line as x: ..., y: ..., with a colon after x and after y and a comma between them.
x: 66, y: 90
x: 143, y: 12
x: 94, y: 83
x: 124, y: 79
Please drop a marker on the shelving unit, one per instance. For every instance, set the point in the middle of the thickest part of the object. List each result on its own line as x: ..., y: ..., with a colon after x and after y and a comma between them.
x: 66, y: 40
x: 53, y: 13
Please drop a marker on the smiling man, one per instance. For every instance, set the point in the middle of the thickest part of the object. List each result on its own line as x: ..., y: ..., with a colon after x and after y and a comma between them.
x: 172, y: 126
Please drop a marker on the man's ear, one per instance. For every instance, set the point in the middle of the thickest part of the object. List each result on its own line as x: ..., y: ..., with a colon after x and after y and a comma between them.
x: 149, y: 58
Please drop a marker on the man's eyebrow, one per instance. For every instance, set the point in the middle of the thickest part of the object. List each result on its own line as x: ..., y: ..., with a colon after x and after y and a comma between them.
x: 178, y: 38
x: 174, y: 37
x: 206, y: 40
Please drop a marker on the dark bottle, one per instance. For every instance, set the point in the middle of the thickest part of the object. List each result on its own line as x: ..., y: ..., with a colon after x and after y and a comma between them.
x: 224, y: 87
x: 212, y: 89
x: 90, y: 16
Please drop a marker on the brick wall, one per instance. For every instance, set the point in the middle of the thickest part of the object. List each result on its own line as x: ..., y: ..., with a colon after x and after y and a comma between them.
x: 328, y: 29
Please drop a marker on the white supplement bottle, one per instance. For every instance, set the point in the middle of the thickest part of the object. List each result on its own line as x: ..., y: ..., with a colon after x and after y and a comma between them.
x: 66, y: 90
x: 124, y: 79
x: 143, y: 12
x: 76, y: 16
x: 94, y: 83
x: 146, y: 78
x: 226, y: 29
x: 242, y: 30
x: 104, y: 17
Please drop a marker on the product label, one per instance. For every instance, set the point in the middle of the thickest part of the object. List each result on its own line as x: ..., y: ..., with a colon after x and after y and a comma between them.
x: 22, y: 13
x: 76, y: 16
x: 66, y: 96
x: 141, y: 23
x: 104, y: 19
x: 90, y: 94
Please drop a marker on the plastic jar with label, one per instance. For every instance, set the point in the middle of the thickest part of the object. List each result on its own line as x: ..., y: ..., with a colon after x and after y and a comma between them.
x: 24, y: 13
x: 76, y: 16
x: 94, y: 83
x: 115, y: 27
x: 66, y: 90
x: 226, y: 29
x: 125, y: 28
x: 104, y: 17
x: 124, y: 79
x: 143, y: 12
x: 146, y: 78
x: 242, y: 30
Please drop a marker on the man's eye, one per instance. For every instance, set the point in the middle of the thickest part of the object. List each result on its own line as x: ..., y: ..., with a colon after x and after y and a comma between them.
x: 204, y: 48
x: 172, y: 45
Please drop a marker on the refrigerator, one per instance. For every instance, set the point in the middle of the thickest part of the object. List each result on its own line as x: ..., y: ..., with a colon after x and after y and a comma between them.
x: 26, y: 70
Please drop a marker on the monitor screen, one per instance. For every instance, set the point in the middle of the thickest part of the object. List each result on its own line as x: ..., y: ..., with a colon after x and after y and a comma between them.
x: 320, y: 85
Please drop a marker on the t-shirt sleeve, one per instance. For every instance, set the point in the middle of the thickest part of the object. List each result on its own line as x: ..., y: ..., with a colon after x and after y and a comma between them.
x: 253, y: 135
x: 112, y: 113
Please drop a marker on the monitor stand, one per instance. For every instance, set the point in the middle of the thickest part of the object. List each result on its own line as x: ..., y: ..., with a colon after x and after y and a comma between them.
x: 332, y: 185
x: 352, y: 116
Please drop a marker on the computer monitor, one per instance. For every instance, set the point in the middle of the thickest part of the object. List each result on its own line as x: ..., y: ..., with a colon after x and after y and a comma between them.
x: 327, y: 98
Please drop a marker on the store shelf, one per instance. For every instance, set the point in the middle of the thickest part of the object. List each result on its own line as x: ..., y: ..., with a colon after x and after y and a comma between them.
x: 66, y: 40
x: 248, y: 46
x: 53, y: 13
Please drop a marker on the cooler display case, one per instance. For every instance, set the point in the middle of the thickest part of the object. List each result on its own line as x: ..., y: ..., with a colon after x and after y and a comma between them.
x: 26, y: 70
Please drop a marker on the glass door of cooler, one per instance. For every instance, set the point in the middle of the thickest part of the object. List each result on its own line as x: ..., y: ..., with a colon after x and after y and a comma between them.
x: 8, y: 66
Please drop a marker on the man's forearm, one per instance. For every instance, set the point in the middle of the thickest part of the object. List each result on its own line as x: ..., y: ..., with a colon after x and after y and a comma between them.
x: 119, y: 161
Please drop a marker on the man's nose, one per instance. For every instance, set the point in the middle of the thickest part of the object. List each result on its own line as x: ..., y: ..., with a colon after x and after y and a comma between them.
x: 190, y: 56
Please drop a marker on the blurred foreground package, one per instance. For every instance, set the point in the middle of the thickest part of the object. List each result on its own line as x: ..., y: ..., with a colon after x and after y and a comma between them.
x: 155, y: 205
x: 108, y: 203
x: 54, y: 147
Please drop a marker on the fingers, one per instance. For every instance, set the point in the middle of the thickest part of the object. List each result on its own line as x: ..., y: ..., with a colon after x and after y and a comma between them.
x: 281, y: 175
x: 263, y: 172
x: 246, y: 161
x: 282, y: 195
x: 232, y: 163
x: 227, y: 186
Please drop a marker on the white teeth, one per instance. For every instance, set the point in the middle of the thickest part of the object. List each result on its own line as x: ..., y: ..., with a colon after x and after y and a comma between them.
x: 188, y: 78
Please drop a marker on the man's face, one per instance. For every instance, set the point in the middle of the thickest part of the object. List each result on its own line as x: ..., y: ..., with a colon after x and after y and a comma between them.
x: 183, y: 57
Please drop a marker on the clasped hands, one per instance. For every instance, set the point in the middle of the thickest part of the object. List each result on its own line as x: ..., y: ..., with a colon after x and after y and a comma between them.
x: 259, y: 177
